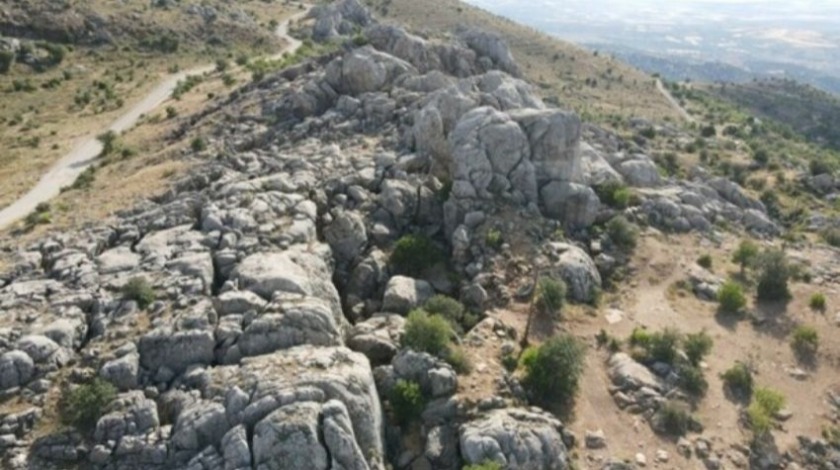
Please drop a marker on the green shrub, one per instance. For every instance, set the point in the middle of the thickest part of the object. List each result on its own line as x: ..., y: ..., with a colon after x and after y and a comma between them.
x: 739, y: 380
x: 198, y: 144
x: 746, y: 254
x: 447, y: 307
x: 7, y: 59
x: 614, y: 194
x: 109, y: 141
x: 414, y: 254
x: 773, y: 276
x: 831, y: 236
x: 805, y: 341
x: 762, y: 412
x: 509, y: 362
x: 674, y: 419
x: 139, y: 290
x: 222, y: 65
x: 493, y: 238
x: 817, y: 302
x: 458, y: 359
x: 407, y: 401
x: 622, y: 233
x: 697, y: 346
x: 551, y: 295
x: 85, y: 179
x: 171, y: 112
x: 692, y: 380
x: 82, y: 406
x: 552, y: 370
x: 660, y: 346
x: 708, y: 131
x: 427, y: 333
x: 486, y: 465
x: 731, y: 298
x: 705, y: 261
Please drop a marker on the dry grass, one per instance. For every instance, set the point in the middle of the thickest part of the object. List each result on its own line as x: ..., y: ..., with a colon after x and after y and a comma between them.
x: 558, y: 68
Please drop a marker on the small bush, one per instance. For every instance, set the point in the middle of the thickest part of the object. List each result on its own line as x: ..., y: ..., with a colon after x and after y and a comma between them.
x: 708, y: 131
x: 7, y: 59
x: 82, y: 406
x: 198, y: 144
x: 739, y: 380
x: 552, y: 370
x: 622, y: 233
x: 817, y: 302
x: 762, y: 412
x: 656, y: 347
x: 487, y: 465
x: 427, y: 333
x: 831, y: 236
x: 222, y: 65
x: 171, y: 112
x: 773, y: 276
x: 614, y: 194
x: 674, y: 419
x: 697, y: 346
x: 109, y: 141
x: 493, y: 238
x: 746, y: 254
x: 705, y: 261
x: 139, y: 290
x: 458, y: 359
x: 509, y: 362
x: 407, y: 401
x: 692, y: 380
x: 731, y: 298
x: 414, y: 254
x: 805, y: 341
x: 448, y: 308
x: 551, y: 295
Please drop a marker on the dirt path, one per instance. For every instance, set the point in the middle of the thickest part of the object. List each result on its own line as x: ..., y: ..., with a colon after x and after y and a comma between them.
x: 71, y: 165
x: 674, y: 102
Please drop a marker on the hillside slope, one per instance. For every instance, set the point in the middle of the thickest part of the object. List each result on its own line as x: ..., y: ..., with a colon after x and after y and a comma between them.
x: 813, y: 113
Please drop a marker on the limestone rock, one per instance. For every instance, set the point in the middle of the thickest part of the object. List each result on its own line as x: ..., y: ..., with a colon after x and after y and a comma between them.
x: 515, y: 438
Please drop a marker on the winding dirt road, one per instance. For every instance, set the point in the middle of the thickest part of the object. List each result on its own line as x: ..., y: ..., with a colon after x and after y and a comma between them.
x: 64, y: 172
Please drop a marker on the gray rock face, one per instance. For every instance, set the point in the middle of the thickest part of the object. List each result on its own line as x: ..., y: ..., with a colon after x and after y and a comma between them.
x: 175, y: 350
x: 639, y: 172
x: 491, y: 153
x: 295, y: 396
x: 16, y: 369
x: 122, y: 372
x: 574, y: 204
x: 577, y: 270
x: 338, y: 18
x: 404, y: 293
x: 378, y: 337
x: 493, y: 47
x: 365, y: 70
x: 554, y: 138
x: 131, y: 414
x: 515, y: 438
x: 624, y: 371
x: 346, y: 236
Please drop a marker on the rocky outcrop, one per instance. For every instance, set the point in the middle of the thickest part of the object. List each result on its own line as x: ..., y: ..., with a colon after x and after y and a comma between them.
x: 515, y: 438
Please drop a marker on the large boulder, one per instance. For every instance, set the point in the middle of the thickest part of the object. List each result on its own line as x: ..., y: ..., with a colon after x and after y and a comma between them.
x: 576, y: 205
x: 491, y: 153
x: 403, y: 294
x: 515, y: 438
x: 16, y: 369
x: 365, y: 70
x: 554, y: 137
x: 378, y: 337
x: 309, y: 407
x: 577, y: 270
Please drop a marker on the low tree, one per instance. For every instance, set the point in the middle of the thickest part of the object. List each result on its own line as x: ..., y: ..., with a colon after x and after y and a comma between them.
x: 553, y: 369
x: 83, y: 405
x: 773, y: 276
x: 745, y: 255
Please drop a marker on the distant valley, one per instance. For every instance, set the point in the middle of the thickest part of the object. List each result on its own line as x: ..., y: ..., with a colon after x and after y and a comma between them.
x: 700, y: 40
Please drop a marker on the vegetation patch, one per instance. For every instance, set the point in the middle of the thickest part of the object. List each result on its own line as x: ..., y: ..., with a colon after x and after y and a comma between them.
x: 82, y: 406
x: 552, y: 371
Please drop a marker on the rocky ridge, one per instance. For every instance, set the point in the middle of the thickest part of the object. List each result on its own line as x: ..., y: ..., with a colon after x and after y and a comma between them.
x: 274, y: 338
